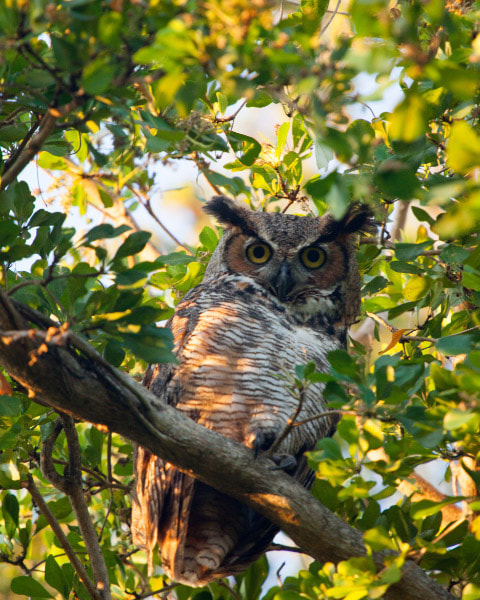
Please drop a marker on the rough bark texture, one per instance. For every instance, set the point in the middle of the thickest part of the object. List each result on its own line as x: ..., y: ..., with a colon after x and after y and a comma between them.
x: 76, y: 380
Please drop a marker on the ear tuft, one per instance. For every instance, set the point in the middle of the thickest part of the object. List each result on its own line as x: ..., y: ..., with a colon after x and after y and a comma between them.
x: 359, y: 218
x: 229, y: 213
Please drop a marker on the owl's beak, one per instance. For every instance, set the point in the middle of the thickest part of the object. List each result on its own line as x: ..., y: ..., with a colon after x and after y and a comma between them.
x: 283, y: 282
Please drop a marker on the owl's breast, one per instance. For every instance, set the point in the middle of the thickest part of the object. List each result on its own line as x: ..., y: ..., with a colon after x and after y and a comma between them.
x: 237, y: 349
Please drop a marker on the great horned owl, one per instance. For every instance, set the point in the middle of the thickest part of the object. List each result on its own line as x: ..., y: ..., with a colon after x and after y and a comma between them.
x: 280, y: 290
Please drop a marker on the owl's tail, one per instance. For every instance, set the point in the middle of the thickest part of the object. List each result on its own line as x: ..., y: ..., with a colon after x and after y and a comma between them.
x: 202, y: 534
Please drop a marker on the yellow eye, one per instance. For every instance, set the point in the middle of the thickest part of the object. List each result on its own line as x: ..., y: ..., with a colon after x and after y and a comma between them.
x: 312, y: 257
x: 258, y: 253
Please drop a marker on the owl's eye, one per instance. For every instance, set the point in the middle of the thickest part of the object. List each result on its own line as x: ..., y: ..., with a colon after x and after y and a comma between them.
x: 312, y: 257
x: 259, y: 253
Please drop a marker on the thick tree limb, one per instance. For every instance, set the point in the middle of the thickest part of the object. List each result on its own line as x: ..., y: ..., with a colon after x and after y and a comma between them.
x: 78, y: 381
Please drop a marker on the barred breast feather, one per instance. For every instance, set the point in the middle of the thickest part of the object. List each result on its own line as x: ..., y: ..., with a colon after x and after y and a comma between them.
x: 236, y: 346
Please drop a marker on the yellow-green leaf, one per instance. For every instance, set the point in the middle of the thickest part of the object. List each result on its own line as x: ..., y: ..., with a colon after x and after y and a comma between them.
x: 463, y: 148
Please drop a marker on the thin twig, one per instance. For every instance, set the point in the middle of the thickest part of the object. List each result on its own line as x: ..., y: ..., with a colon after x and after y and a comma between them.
x: 231, y: 117
x: 273, y: 547
x: 334, y: 13
x: 381, y: 321
x: 406, y: 339
x: 62, y: 538
x: 415, y: 338
x: 71, y: 485
x: 47, y: 125
x: 97, y: 475
x: 165, y: 588
x: 145, y: 202
x: 231, y: 591
x: 21, y: 146
x: 18, y: 561
x: 109, y: 480
x: 28, y: 48
x: 290, y: 424
x: 75, y: 494
x: 327, y: 413
x: 50, y: 278
x: 391, y: 246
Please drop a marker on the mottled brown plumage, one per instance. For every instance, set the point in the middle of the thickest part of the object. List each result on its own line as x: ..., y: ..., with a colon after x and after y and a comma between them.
x: 279, y: 291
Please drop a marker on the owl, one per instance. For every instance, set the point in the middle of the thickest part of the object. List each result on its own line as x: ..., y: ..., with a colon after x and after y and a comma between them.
x: 279, y: 291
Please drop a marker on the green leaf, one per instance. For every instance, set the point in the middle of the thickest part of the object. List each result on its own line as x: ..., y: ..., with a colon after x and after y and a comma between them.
x: 104, y: 231
x: 217, y: 179
x: 10, y: 510
x: 410, y: 251
x: 8, y: 233
x: 416, y: 288
x: 288, y: 595
x: 454, y: 254
x: 456, y: 419
x: 425, y: 508
x: 422, y: 215
x: 9, y: 406
x: 471, y: 591
x: 397, y: 179
x: 343, y: 363
x: 176, y: 258
x: 260, y: 100
x: 51, y: 162
x: 134, y: 244
x: 110, y: 28
x: 54, y: 576
x: 246, y: 148
x: 250, y: 583
x: 44, y: 217
x: 379, y: 539
x: 114, y: 353
x: 208, y: 238
x: 331, y: 448
x: 282, y: 138
x: 13, y: 133
x: 222, y: 102
x: 463, y: 148
x: 409, y: 120
x: 97, y: 76
x: 457, y: 344
x: 152, y: 344
x: 27, y: 586
x: 401, y: 266
x: 471, y: 280
x: 61, y: 508
x: 376, y: 285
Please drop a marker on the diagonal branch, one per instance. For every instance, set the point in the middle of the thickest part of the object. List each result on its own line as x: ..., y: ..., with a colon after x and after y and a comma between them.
x: 71, y: 485
x: 62, y: 538
x: 75, y: 379
x: 34, y: 145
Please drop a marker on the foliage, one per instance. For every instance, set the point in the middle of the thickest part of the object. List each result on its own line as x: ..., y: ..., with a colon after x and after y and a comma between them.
x: 108, y: 90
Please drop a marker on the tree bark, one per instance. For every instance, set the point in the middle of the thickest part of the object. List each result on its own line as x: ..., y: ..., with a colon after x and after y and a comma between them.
x: 75, y: 379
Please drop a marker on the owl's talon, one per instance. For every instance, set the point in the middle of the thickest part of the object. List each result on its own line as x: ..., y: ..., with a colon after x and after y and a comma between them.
x: 263, y: 441
x: 284, y: 462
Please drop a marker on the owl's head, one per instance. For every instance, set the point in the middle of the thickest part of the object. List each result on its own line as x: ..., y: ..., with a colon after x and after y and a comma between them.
x: 308, y: 263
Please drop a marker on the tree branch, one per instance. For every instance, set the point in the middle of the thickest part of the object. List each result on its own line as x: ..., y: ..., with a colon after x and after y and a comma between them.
x: 62, y: 538
x: 47, y: 125
x: 76, y: 380
x: 71, y: 485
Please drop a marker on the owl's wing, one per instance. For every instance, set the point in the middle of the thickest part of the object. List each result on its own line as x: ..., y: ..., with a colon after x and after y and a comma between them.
x: 162, y: 496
